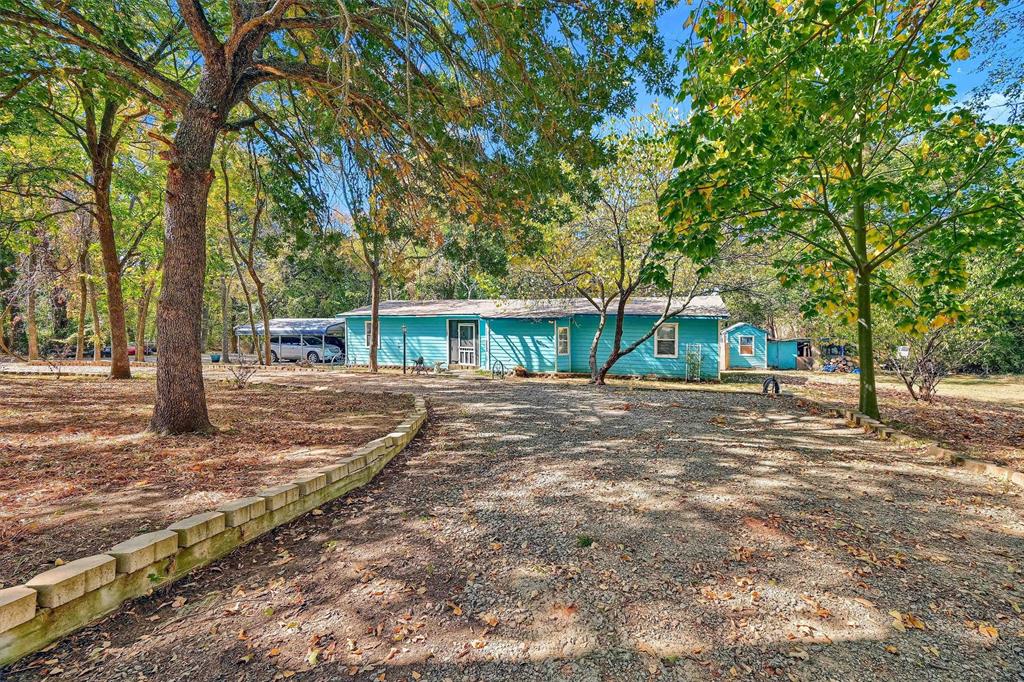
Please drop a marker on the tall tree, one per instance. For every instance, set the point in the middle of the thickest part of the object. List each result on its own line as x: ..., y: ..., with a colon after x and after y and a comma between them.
x: 96, y: 114
x: 836, y: 127
x: 243, y: 249
x: 466, y: 83
x: 607, y: 250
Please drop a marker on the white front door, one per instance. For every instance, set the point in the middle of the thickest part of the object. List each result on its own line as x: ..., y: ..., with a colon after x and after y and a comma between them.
x: 467, y: 343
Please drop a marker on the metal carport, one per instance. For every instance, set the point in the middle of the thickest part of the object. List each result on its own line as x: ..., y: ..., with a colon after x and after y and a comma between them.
x: 298, y: 326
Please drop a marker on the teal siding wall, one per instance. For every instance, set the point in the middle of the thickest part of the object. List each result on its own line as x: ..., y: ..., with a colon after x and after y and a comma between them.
x: 527, y: 343
x: 760, y: 357
x: 426, y: 336
x: 782, y: 354
x: 700, y: 334
x: 531, y: 344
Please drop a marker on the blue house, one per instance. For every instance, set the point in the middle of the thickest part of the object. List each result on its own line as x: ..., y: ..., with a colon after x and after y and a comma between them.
x: 540, y: 335
x: 746, y: 346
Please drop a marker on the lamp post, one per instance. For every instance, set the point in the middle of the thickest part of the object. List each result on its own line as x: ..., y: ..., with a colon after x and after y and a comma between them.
x: 403, y: 348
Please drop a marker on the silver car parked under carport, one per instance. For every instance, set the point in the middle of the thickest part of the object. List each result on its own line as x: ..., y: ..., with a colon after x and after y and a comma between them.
x: 302, y: 347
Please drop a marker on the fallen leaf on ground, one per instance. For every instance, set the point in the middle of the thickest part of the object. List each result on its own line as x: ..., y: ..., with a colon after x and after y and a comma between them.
x: 989, y: 631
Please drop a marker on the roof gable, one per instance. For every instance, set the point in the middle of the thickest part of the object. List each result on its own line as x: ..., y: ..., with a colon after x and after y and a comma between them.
x: 739, y: 325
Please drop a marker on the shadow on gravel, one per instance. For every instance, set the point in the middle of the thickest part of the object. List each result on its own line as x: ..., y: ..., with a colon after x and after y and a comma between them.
x: 541, y: 531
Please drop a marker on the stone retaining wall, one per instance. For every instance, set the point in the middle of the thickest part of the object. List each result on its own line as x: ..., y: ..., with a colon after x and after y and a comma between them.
x: 68, y: 597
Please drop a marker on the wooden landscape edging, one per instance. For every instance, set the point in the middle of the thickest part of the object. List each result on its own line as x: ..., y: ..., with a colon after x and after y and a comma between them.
x: 66, y: 598
x: 942, y: 455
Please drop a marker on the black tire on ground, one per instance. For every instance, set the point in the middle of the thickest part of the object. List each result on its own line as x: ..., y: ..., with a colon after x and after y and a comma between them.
x: 273, y: 357
x: 313, y: 357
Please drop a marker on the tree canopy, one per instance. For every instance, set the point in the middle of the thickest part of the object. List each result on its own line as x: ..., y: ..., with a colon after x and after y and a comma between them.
x: 834, y: 128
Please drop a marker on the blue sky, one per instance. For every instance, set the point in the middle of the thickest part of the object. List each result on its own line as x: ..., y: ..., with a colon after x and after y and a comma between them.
x: 966, y: 75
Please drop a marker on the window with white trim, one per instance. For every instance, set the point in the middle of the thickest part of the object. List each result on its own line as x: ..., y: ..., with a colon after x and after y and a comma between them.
x: 666, y: 341
x: 563, y: 340
x: 367, y: 334
x: 746, y: 345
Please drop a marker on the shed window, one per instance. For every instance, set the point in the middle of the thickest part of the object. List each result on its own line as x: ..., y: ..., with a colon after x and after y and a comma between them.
x: 563, y: 340
x: 366, y: 332
x: 666, y: 341
x: 746, y: 345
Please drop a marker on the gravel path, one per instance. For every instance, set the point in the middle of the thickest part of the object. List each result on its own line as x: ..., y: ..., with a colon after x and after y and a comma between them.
x: 540, y: 531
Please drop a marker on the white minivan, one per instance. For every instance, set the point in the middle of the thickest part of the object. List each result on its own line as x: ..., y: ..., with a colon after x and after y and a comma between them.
x: 307, y: 347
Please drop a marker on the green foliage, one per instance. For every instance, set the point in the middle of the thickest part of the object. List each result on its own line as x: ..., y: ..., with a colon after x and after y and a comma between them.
x: 834, y: 128
x: 601, y: 244
x: 808, y: 112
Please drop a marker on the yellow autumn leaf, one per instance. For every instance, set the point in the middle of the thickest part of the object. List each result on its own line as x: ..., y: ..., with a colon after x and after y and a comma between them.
x: 897, y: 621
x: 981, y: 139
x: 961, y: 53
x: 989, y: 631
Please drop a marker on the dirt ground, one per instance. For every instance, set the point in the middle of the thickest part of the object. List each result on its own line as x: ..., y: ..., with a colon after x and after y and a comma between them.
x: 983, y: 419
x: 78, y: 474
x: 545, y: 531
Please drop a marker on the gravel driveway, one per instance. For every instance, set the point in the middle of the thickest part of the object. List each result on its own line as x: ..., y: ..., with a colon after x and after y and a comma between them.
x: 540, y: 531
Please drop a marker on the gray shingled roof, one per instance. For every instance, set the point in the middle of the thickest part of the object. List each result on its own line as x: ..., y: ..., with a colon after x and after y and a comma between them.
x: 701, y: 306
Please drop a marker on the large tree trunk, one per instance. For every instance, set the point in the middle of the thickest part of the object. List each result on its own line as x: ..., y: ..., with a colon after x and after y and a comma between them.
x: 141, y: 320
x: 374, y: 315
x: 261, y: 296
x: 30, y: 323
x: 83, y: 300
x: 865, y: 349
x: 180, y: 395
x: 119, y: 362
x: 97, y: 334
x: 235, y: 256
x: 601, y: 320
x: 614, y: 355
x: 102, y: 148
x: 225, y: 336
x: 257, y: 348
x: 204, y: 330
